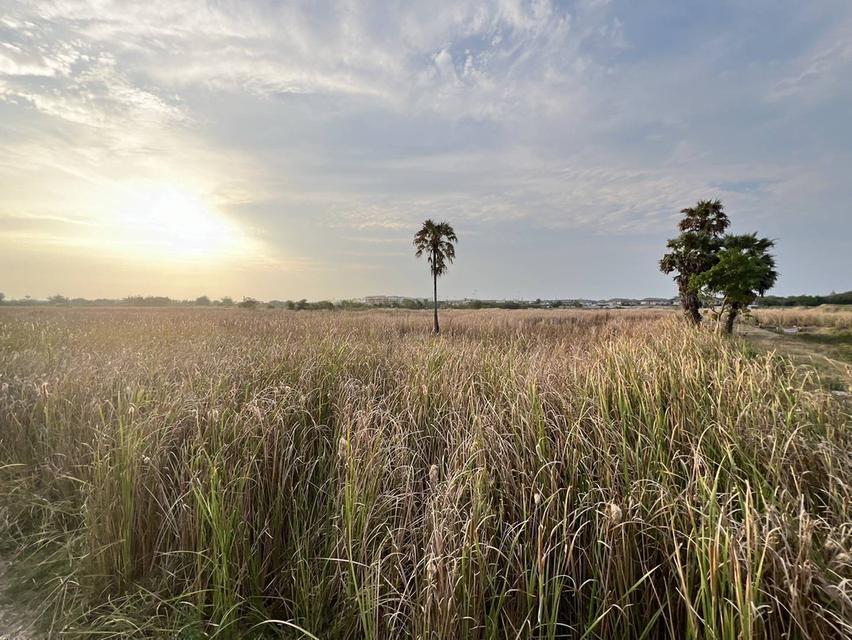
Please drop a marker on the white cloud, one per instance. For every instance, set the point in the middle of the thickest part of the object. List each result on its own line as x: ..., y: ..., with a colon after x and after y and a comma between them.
x: 504, y: 50
x: 16, y: 62
x: 828, y: 67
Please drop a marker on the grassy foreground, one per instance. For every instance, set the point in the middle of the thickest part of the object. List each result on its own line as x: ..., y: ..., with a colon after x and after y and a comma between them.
x: 346, y: 475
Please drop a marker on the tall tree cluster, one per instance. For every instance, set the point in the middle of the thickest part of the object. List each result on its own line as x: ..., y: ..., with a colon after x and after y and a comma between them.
x: 710, y: 265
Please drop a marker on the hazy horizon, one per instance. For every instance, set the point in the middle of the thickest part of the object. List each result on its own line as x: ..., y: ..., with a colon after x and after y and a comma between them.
x: 283, y: 151
x: 441, y: 298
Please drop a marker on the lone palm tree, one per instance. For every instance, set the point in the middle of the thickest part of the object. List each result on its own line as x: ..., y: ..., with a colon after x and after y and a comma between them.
x: 436, y: 241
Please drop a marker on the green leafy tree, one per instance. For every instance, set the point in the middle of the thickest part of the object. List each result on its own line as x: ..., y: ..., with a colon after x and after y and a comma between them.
x: 436, y: 241
x: 695, y: 251
x: 202, y: 301
x: 744, y: 270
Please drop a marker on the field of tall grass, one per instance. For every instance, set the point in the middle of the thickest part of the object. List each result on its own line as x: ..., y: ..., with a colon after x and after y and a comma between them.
x: 532, y: 474
x: 832, y: 316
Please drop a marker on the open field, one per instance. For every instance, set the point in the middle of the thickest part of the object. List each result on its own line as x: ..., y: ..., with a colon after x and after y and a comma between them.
x: 833, y: 316
x: 818, y: 337
x: 529, y: 474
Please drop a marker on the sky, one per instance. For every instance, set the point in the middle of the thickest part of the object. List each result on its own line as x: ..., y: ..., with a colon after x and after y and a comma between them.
x: 283, y: 150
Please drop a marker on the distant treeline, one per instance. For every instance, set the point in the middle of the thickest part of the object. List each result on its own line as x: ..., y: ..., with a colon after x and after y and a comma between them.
x: 292, y: 305
x: 398, y: 302
x: 805, y: 301
x: 164, y: 301
x: 204, y: 301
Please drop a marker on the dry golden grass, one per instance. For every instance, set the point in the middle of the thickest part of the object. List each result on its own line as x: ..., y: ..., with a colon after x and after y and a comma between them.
x: 837, y: 317
x: 347, y: 475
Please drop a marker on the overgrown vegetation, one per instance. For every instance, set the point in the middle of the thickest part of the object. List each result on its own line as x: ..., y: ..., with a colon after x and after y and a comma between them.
x: 838, y: 343
x: 838, y: 317
x: 560, y: 474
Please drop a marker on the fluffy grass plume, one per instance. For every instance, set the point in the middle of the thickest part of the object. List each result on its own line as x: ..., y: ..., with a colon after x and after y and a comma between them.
x: 347, y: 475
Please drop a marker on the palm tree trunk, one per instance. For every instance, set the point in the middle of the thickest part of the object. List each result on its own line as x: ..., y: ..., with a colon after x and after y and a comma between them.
x: 732, y: 316
x: 690, y: 303
x: 435, y: 281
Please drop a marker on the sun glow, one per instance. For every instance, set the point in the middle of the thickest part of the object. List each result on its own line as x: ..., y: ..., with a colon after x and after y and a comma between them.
x: 169, y: 223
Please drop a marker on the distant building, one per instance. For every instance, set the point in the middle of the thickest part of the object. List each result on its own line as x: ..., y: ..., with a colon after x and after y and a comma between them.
x: 383, y: 301
x: 622, y: 302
